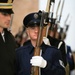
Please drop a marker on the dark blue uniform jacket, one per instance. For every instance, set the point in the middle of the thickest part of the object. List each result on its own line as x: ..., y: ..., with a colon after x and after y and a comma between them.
x: 55, y: 42
x: 70, y: 58
x: 50, y: 54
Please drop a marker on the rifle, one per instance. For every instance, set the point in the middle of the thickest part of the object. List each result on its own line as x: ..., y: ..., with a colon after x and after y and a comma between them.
x: 58, y: 18
x: 47, y: 10
x: 65, y: 28
x: 53, y: 26
x: 51, y: 20
x: 35, y: 69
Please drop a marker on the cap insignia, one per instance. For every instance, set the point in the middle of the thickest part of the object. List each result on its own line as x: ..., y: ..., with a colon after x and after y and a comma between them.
x: 35, y: 16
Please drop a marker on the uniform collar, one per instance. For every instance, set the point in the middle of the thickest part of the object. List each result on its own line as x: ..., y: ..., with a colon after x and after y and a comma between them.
x: 31, y: 48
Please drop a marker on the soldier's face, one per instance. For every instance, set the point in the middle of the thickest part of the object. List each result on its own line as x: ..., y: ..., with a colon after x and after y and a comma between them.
x: 5, y: 20
x: 33, y: 32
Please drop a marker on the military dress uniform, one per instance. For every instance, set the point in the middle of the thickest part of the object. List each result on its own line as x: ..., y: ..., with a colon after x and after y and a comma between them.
x: 61, y: 46
x: 7, y: 41
x: 49, y: 53
x: 7, y: 54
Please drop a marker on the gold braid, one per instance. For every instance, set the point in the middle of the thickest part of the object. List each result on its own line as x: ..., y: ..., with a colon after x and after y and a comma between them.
x: 9, y: 1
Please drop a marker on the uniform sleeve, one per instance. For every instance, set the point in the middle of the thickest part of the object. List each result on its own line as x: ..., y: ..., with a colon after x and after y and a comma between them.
x: 55, y: 67
x: 63, y: 53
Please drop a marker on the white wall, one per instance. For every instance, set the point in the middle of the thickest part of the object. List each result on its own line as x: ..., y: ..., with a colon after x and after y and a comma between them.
x: 69, y: 8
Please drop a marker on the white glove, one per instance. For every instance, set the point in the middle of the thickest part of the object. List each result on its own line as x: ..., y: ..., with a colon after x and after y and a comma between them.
x: 46, y: 41
x: 38, y: 61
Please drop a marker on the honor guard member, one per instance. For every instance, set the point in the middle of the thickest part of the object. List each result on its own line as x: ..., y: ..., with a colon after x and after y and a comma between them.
x: 59, y: 36
x: 7, y: 42
x: 49, y: 61
x: 60, y: 44
x: 69, y: 53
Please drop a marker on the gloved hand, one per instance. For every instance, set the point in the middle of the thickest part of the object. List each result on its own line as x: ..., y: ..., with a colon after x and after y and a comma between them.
x: 46, y: 41
x: 38, y: 61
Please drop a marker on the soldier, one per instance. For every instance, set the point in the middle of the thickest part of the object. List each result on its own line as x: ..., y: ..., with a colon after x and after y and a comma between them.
x: 60, y: 44
x: 7, y: 42
x: 59, y: 35
x: 69, y: 53
x: 49, y: 61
